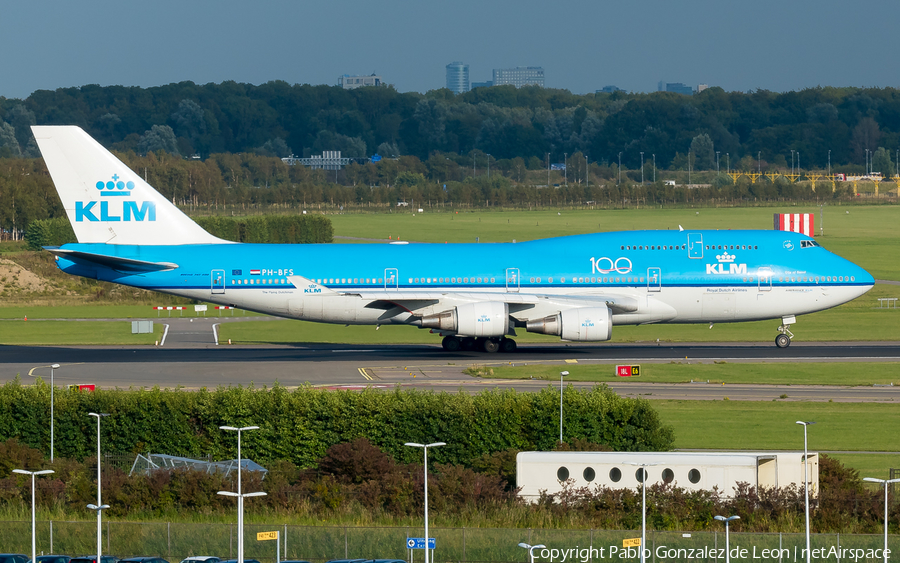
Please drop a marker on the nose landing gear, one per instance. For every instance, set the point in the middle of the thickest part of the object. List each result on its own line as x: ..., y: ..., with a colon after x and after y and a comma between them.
x: 783, y: 340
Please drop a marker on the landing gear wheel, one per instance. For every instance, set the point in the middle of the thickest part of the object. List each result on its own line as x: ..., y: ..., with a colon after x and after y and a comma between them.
x: 468, y: 343
x: 451, y: 344
x: 490, y: 345
x: 782, y: 341
x: 507, y: 345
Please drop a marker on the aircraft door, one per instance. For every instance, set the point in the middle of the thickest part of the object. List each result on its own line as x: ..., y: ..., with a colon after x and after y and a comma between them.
x: 695, y: 245
x: 654, y: 279
x: 391, y: 278
x: 512, y: 280
x: 765, y: 279
x: 218, y: 282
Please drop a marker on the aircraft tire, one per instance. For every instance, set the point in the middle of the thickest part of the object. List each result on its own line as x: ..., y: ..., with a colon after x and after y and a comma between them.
x: 507, y: 345
x: 490, y: 345
x: 468, y: 343
x: 451, y: 344
x: 782, y: 341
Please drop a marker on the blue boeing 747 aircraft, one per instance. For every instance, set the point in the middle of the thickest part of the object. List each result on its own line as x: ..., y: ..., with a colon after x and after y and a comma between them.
x: 473, y: 295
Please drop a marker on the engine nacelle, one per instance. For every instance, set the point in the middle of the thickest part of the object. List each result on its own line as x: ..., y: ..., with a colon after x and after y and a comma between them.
x: 586, y: 324
x: 486, y: 318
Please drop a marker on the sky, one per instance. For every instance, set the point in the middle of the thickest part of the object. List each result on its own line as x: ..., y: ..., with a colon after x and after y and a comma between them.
x: 583, y: 45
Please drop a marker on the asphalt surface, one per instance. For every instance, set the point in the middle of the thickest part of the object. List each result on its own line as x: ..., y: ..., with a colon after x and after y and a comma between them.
x: 190, y: 357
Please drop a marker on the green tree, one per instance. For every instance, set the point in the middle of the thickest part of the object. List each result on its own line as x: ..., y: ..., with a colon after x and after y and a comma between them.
x: 704, y: 153
x: 881, y: 162
x: 159, y: 138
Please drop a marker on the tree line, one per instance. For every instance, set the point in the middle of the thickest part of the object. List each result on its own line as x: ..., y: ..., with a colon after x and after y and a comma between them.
x: 811, y: 127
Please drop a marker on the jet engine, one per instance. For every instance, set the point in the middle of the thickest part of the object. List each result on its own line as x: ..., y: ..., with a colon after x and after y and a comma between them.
x: 588, y: 324
x: 486, y: 318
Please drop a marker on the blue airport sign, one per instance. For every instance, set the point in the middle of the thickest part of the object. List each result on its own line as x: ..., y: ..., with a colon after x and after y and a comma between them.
x: 419, y: 543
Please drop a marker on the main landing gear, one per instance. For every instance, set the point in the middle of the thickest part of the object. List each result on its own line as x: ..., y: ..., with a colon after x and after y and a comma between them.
x: 489, y: 345
x: 783, y: 340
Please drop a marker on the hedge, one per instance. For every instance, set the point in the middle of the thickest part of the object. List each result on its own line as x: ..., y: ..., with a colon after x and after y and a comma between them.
x: 300, y: 425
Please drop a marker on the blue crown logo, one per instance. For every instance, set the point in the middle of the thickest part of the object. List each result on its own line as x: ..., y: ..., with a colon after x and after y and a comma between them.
x: 115, y: 187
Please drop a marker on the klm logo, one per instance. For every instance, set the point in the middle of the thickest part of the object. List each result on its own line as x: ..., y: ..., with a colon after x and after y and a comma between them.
x: 111, y: 210
x: 483, y: 319
x: 719, y: 269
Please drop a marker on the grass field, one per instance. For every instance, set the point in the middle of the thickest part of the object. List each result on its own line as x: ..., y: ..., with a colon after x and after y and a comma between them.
x: 766, y: 425
x: 101, y: 311
x: 841, y: 374
x: 63, y: 333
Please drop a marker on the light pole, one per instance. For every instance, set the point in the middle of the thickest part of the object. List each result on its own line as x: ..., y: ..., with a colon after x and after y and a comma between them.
x: 806, y: 484
x: 425, y: 449
x: 727, y: 546
x: 99, y: 507
x: 717, y: 164
x: 642, y: 168
x: 47, y: 472
x: 240, y: 496
x: 531, y: 549
x: 561, y: 374
x: 792, y: 161
x: 548, y: 169
x: 644, y: 474
x: 654, y: 168
x: 884, y: 482
x: 620, y: 170
x: 566, y: 172
x: 587, y: 171
x: 52, y: 367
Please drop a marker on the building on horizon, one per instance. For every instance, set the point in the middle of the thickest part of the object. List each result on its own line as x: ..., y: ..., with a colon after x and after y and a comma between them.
x: 485, y: 84
x: 677, y: 87
x: 519, y: 76
x: 458, y: 77
x: 609, y: 90
x: 348, y: 82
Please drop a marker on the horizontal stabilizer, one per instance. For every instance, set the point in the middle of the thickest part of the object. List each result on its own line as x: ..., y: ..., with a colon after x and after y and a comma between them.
x: 112, y: 262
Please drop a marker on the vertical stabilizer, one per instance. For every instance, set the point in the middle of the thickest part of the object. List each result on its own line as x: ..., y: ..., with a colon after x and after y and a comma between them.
x: 105, y: 200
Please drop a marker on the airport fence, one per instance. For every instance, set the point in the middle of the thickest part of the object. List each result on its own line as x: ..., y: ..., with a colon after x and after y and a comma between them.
x: 175, y: 541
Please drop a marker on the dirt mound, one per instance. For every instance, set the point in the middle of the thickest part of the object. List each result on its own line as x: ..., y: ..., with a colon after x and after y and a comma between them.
x: 16, y: 279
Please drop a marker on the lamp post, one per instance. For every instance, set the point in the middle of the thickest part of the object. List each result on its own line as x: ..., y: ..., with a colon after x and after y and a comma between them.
x: 644, y: 474
x: 99, y: 507
x: 33, y: 475
x: 619, y: 181
x: 240, y: 496
x: 561, y: 374
x: 642, y: 168
x: 52, y: 386
x: 806, y: 484
x: 727, y: 546
x: 531, y: 549
x: 884, y: 482
x: 548, y: 169
x: 425, y: 449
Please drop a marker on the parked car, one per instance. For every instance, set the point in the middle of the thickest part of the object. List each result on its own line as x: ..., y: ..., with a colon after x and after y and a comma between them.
x: 295, y: 561
x: 143, y: 560
x: 13, y: 558
x: 203, y: 559
x: 52, y: 559
x: 236, y: 561
x: 93, y: 559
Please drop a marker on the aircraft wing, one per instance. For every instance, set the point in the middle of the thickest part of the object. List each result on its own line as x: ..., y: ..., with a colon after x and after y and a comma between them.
x: 412, y: 300
x: 113, y: 262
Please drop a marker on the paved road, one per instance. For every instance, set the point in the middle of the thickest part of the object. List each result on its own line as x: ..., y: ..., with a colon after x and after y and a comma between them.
x: 190, y: 358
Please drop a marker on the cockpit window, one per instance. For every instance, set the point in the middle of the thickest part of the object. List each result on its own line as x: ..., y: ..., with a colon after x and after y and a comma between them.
x: 808, y: 243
